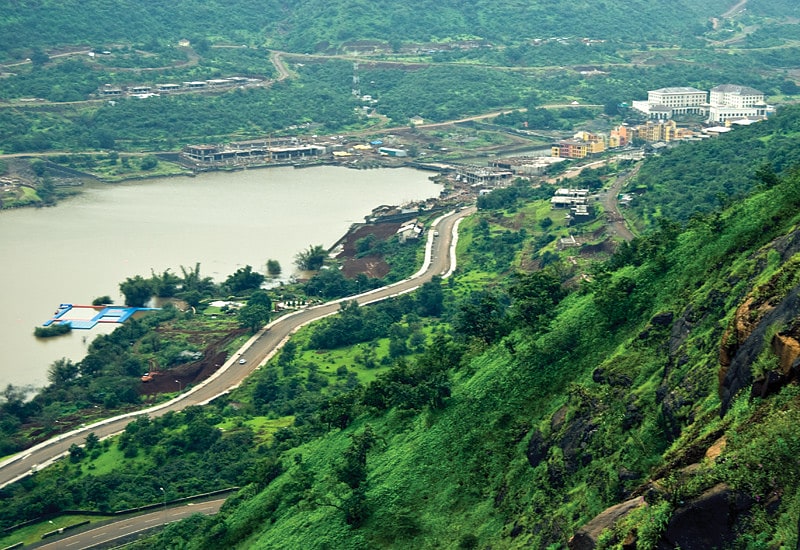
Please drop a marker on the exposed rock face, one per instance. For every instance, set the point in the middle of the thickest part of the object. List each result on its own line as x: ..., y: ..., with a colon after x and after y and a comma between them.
x: 745, y: 340
x: 788, y: 351
x: 705, y: 522
x: 537, y: 449
x: 586, y: 537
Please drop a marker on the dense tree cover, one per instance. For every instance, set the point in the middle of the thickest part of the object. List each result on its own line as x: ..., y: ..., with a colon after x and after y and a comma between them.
x: 49, y: 24
x: 777, y: 8
x: 183, y: 453
x: 169, y: 122
x: 312, y: 25
x: 442, y: 92
x: 321, y: 96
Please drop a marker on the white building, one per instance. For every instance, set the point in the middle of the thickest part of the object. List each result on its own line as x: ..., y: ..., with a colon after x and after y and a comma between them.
x: 664, y: 103
x: 730, y: 102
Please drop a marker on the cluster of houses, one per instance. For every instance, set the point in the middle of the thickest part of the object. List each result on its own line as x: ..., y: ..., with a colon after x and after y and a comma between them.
x: 723, y: 106
x: 145, y: 90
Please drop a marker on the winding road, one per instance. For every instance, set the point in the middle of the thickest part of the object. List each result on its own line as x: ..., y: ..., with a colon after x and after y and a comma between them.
x: 108, y: 532
x: 439, y: 260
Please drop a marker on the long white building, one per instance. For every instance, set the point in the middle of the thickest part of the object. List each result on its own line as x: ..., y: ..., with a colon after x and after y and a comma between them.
x: 664, y: 103
x: 722, y: 103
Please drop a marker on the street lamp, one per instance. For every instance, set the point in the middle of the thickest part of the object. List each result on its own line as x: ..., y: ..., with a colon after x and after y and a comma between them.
x: 165, y: 503
x: 179, y: 385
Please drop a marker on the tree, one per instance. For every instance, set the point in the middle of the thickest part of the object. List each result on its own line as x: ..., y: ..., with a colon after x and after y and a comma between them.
x: 430, y: 299
x: 311, y: 259
x: 148, y: 163
x: 193, y: 282
x: 535, y: 296
x: 76, y: 453
x: 244, y: 279
x: 92, y: 441
x: 62, y: 371
x: 481, y: 315
x: 164, y: 285
x: 137, y: 291
x: 273, y: 268
x: 102, y: 301
x: 38, y: 57
x: 254, y: 317
x: 351, y: 470
x: 260, y: 298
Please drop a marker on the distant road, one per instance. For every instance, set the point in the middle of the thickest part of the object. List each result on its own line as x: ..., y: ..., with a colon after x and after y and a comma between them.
x: 439, y: 260
x: 617, y: 226
x: 123, y: 528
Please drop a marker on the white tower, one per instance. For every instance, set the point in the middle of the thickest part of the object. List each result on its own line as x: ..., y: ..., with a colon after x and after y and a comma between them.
x: 356, y: 81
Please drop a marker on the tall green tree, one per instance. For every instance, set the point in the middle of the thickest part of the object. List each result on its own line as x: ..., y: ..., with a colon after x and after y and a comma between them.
x: 62, y: 371
x: 244, y: 279
x: 137, y: 291
x: 311, y: 259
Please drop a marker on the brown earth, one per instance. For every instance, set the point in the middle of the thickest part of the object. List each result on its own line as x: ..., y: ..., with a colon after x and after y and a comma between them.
x: 371, y: 266
x: 182, y: 376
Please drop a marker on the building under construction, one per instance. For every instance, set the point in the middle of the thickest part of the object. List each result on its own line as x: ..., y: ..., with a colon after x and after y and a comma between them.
x: 282, y: 149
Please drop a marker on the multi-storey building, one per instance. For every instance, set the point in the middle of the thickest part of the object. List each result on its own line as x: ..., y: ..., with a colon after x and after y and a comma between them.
x: 582, y: 145
x: 664, y: 103
x: 731, y: 101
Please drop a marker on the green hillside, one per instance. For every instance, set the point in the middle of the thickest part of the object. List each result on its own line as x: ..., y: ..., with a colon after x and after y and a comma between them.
x: 317, y: 25
x: 613, y: 395
x: 661, y: 382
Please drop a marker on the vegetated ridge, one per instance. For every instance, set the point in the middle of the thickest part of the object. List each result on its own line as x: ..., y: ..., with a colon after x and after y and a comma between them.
x: 312, y: 25
x: 660, y: 390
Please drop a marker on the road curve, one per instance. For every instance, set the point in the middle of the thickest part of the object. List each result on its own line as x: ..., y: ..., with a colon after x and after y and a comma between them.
x: 439, y: 260
x: 108, y: 532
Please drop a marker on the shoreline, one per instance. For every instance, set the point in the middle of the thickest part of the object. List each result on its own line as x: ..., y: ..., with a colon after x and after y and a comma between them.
x: 74, y: 179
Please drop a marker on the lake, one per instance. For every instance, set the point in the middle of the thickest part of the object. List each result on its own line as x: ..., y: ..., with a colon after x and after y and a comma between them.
x: 84, y: 247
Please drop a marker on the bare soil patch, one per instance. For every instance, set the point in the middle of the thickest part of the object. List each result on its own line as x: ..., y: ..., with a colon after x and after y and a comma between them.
x: 373, y: 265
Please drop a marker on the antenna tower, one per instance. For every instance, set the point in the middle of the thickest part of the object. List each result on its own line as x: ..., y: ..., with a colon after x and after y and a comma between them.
x: 356, y: 81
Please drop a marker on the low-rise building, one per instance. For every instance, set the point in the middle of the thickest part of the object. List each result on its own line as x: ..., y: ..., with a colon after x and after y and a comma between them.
x: 526, y: 166
x: 391, y: 152
x: 481, y: 175
x: 568, y: 198
x: 252, y: 151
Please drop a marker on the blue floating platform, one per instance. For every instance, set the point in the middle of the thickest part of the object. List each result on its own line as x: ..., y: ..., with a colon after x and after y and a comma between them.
x: 103, y: 314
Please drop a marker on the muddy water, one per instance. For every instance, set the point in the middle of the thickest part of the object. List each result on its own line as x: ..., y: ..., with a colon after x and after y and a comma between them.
x: 84, y: 247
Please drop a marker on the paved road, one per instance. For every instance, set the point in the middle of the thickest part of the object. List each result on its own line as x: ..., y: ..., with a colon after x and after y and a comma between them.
x: 108, y: 532
x: 439, y: 260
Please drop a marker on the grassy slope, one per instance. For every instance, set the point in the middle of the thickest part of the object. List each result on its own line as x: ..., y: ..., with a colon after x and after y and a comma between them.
x: 460, y: 476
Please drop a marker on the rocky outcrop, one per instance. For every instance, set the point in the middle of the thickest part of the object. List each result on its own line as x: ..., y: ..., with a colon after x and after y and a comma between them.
x: 707, y: 521
x: 744, y: 341
x: 586, y: 537
x: 787, y: 349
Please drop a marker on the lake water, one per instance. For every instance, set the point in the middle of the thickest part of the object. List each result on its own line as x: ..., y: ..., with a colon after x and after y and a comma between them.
x: 84, y: 247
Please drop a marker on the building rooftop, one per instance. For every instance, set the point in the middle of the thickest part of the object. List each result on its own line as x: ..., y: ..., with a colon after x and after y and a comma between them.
x: 679, y: 90
x: 736, y: 89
